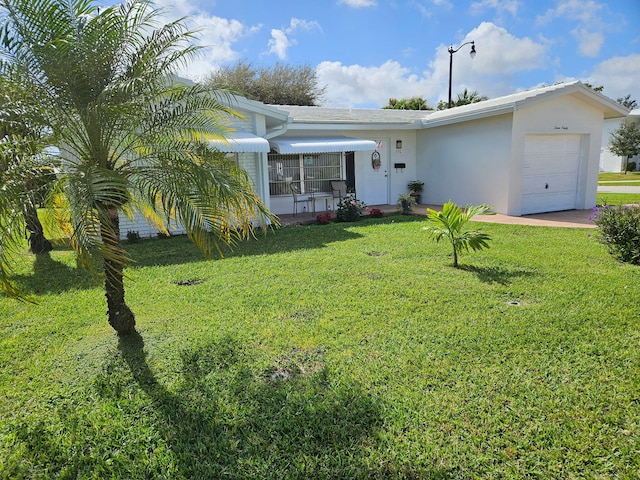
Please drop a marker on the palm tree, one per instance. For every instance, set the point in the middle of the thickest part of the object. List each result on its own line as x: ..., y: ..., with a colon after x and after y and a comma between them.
x: 132, y: 138
x: 22, y: 161
x: 450, y: 222
x: 464, y: 98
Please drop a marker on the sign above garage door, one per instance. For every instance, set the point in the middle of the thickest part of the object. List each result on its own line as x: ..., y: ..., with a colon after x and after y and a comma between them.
x: 550, y: 173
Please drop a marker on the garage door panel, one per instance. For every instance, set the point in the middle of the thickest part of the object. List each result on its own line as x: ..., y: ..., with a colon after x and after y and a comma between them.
x: 550, y: 172
x: 551, y: 184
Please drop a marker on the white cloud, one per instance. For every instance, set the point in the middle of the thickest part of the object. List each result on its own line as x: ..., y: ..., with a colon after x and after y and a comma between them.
x: 590, y: 28
x: 500, y: 55
x: 357, y: 3
x: 589, y: 42
x: 426, y: 8
x: 216, y: 35
x: 280, y: 42
x: 501, y: 6
x: 356, y: 85
x: 620, y: 76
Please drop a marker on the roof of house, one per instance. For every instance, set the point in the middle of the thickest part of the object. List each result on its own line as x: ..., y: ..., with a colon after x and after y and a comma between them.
x: 324, y: 117
x: 520, y: 100
x: 369, y: 117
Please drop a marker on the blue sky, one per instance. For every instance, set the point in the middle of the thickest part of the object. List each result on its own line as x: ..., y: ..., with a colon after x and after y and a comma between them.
x: 367, y: 51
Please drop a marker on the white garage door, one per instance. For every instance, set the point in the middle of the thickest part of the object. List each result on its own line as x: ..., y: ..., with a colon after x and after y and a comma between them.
x: 550, y: 174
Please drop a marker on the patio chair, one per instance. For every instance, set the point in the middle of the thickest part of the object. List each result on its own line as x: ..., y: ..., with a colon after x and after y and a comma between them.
x: 338, y: 189
x: 298, y: 198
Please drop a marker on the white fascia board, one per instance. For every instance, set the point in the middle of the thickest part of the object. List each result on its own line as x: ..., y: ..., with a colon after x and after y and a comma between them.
x: 430, y: 122
x: 257, y: 107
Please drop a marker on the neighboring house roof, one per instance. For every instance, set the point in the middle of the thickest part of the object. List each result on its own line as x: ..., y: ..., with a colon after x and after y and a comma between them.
x: 520, y: 100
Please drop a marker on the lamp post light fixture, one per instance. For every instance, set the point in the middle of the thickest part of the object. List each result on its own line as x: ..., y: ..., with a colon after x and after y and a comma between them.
x: 451, y: 51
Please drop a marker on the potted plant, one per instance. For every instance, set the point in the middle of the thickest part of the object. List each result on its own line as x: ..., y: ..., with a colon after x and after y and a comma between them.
x: 405, y: 203
x: 415, y: 189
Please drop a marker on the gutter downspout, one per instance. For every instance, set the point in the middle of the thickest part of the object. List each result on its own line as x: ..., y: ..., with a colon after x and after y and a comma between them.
x: 277, y: 131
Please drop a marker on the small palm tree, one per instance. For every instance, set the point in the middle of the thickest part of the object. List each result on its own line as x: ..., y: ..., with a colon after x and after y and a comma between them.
x: 131, y: 137
x: 450, y: 222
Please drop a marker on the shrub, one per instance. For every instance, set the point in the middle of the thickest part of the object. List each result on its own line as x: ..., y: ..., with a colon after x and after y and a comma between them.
x: 631, y: 166
x: 619, y: 229
x: 323, y: 218
x: 349, y: 208
x: 405, y: 203
x: 133, y: 236
x: 376, y: 213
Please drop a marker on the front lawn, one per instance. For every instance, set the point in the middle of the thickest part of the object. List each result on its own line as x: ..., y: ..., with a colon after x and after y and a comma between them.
x: 605, y: 198
x: 335, y: 351
x: 614, y: 178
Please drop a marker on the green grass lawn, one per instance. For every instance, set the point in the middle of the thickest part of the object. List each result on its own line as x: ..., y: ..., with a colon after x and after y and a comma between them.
x: 337, y: 351
x: 619, y: 178
x: 603, y: 198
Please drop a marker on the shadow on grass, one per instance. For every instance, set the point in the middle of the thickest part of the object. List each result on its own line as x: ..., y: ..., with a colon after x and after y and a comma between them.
x: 52, y: 276
x: 180, y: 250
x: 224, y: 421
x: 494, y: 274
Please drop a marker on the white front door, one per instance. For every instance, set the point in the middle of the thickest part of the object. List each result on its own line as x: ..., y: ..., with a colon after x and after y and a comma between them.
x: 372, y: 174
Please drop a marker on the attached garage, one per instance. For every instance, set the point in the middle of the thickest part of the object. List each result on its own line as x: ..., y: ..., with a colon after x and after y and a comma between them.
x: 550, y: 169
x: 531, y: 152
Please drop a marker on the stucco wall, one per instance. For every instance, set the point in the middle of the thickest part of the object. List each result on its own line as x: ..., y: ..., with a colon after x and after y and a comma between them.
x: 369, y: 182
x: 466, y: 163
x: 562, y: 116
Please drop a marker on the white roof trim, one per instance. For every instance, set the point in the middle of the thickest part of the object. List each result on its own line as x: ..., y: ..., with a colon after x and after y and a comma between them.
x: 321, y: 145
x: 241, y: 142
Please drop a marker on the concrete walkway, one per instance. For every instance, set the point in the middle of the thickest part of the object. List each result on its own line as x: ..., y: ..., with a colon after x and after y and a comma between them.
x: 618, y: 189
x: 567, y: 219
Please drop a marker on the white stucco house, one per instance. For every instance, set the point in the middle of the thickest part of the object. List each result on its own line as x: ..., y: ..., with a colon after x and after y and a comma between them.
x: 530, y: 152
x: 608, y: 161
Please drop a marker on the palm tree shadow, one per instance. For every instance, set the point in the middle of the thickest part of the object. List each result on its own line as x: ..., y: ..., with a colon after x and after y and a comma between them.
x: 304, y: 420
x: 52, y: 276
x: 493, y: 274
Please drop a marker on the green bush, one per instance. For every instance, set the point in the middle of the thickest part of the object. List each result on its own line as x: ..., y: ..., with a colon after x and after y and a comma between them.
x: 631, y: 166
x: 619, y: 230
x: 350, y: 208
x: 133, y: 236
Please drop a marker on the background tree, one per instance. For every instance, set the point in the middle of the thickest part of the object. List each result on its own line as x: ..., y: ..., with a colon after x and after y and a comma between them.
x: 625, y: 141
x: 412, y: 103
x: 628, y: 102
x: 599, y: 88
x: 464, y: 98
x: 279, y: 84
x: 131, y: 137
x: 22, y: 161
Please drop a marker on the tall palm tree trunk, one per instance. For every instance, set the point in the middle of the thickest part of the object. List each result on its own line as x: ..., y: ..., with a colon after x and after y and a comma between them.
x: 38, y: 243
x: 121, y: 317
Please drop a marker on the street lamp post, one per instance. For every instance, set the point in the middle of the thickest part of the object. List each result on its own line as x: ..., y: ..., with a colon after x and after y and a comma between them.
x: 451, y: 51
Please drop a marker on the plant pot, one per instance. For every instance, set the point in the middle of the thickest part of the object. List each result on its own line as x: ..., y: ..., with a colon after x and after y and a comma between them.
x: 406, y: 207
x: 416, y: 197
